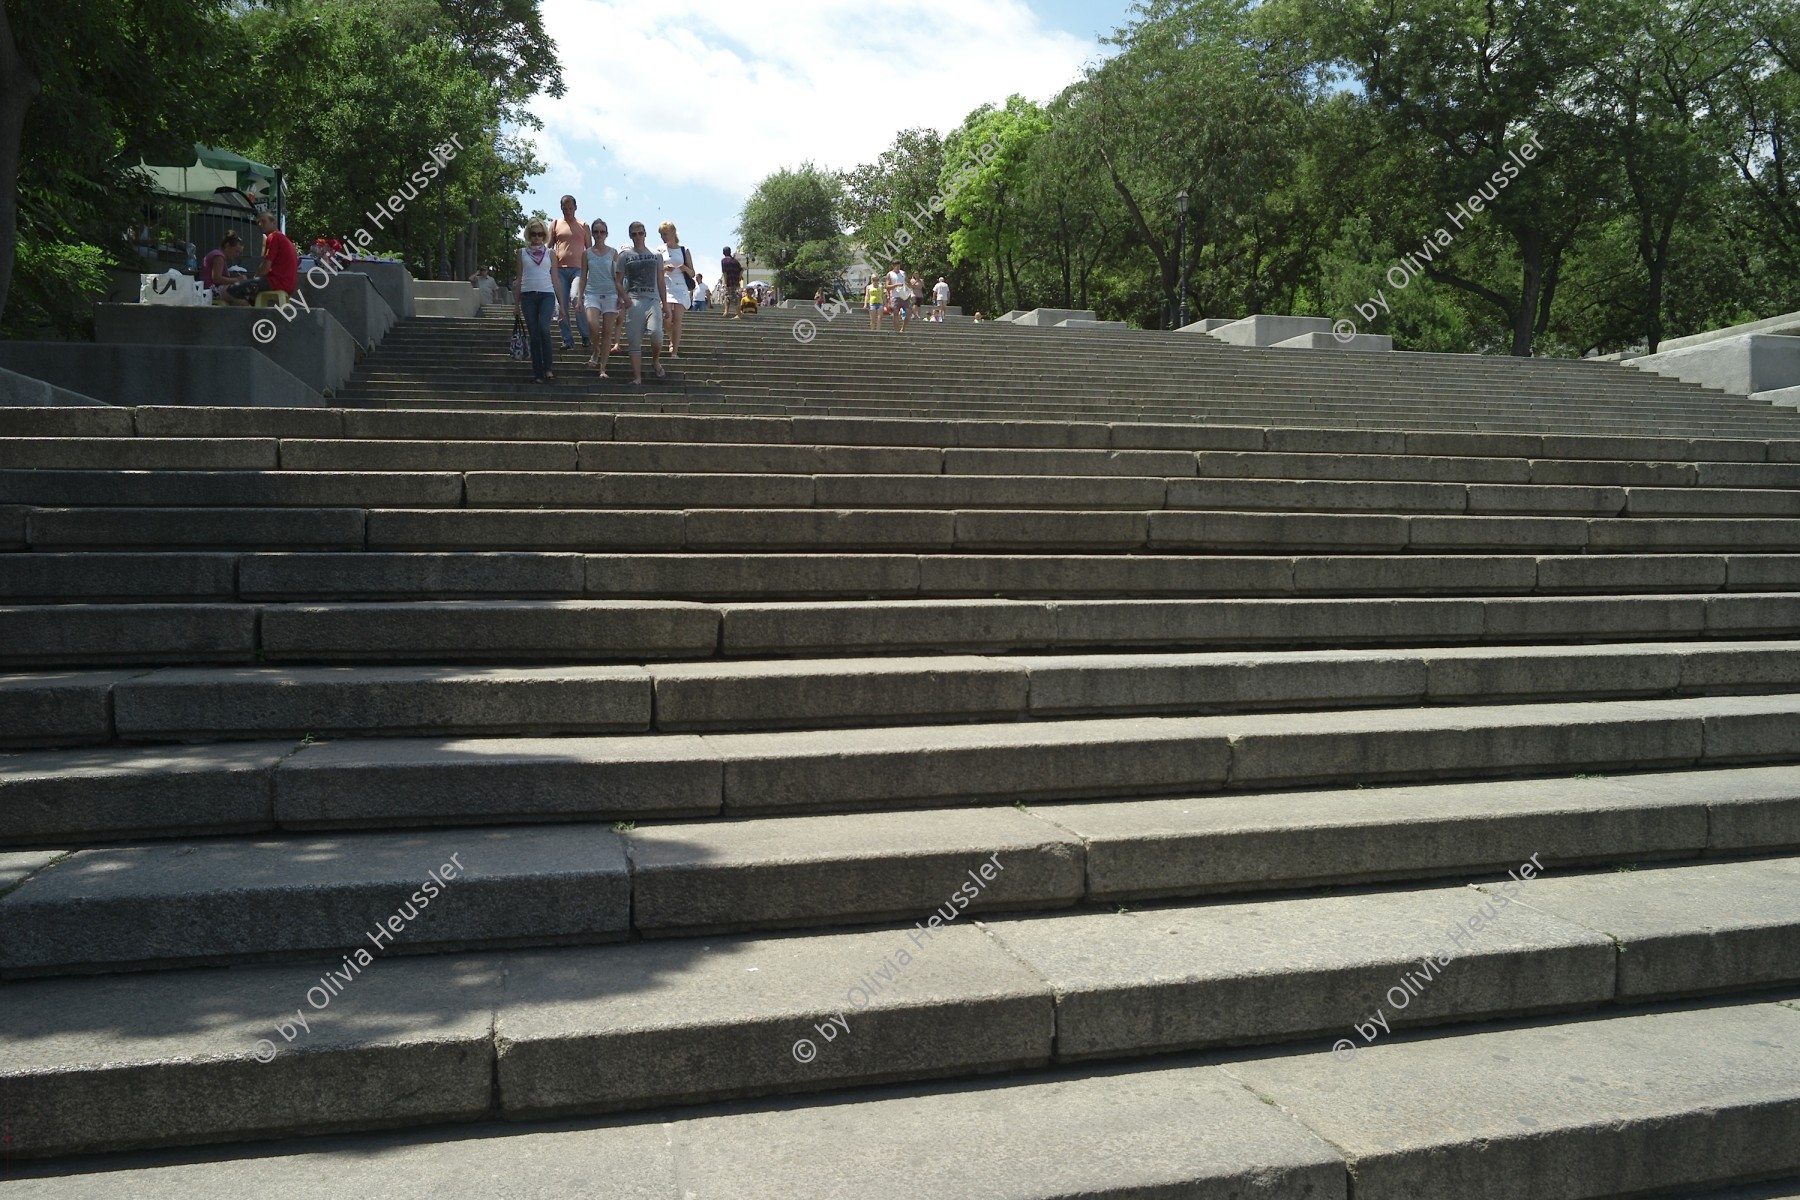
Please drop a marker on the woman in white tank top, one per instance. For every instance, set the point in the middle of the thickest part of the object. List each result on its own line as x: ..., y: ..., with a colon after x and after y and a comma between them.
x: 535, y: 300
x: 676, y: 266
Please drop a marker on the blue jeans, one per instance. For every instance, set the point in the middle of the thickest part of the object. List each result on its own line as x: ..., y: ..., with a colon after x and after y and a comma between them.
x: 565, y: 278
x: 538, y: 308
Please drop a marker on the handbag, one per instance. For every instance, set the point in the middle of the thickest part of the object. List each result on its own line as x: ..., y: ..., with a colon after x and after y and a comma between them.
x: 518, y: 338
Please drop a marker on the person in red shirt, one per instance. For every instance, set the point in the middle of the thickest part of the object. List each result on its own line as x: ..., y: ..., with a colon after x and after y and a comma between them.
x: 281, y: 265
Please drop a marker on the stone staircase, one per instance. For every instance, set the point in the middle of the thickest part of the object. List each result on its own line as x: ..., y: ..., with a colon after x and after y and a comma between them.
x: 1083, y: 789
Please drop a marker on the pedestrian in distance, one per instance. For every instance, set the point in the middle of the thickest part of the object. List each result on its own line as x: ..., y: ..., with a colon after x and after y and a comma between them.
x: 702, y: 292
x: 731, y: 274
x: 872, y: 300
x: 638, y: 275
x: 570, y: 239
x: 537, y: 297
x: 599, y: 296
x: 940, y: 296
x: 215, y: 268
x: 895, y: 304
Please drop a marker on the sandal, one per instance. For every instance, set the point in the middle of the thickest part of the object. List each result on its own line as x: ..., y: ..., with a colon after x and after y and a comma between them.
x: 660, y: 373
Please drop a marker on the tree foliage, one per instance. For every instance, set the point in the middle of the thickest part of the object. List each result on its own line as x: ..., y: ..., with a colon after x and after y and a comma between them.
x: 791, y: 222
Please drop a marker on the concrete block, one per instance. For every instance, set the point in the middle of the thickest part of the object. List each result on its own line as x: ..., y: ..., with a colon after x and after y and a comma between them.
x: 1377, y: 343
x: 1197, y: 846
x: 1496, y: 533
x: 1066, y: 575
x: 368, y: 454
x: 1507, y: 499
x: 311, y: 346
x: 1051, y: 316
x: 818, y: 529
x: 801, y: 871
x: 1615, y: 573
x: 1744, y: 728
x: 933, y: 626
x: 1161, y: 980
x: 1485, y: 674
x: 1718, y: 449
x: 1787, y: 397
x: 1611, y: 618
x: 842, y: 691
x: 1332, y: 496
x: 1752, y: 615
x: 514, y: 529
x: 58, y: 421
x: 1786, y: 324
x: 730, y: 459
x: 1301, y: 440
x: 19, y: 865
x: 1476, y: 445
x: 636, y: 1161
x: 749, y: 576
x: 59, y: 796
x: 1265, y: 330
x: 984, y: 491
x: 1083, y: 323
x: 188, y: 703
x: 1684, y: 930
x: 408, y: 1042
x: 1744, y: 572
x: 1741, y: 365
x: 1149, y: 464
x: 170, y: 904
x: 58, y: 708
x: 682, y: 427
x: 1373, y: 466
x: 1712, y: 502
x: 1206, y: 325
x: 636, y: 490
x: 1035, y: 433
x: 856, y: 431
x: 473, y: 630
x: 1562, y: 471
x: 1283, y: 623
x: 1747, y: 474
x: 1750, y: 808
x: 144, y: 374
x: 1616, y: 1106
x: 101, y: 576
x: 1297, y: 748
x: 211, y: 528
x: 394, y: 283
x: 372, y: 575
x: 177, y: 421
x: 1219, y: 682
x: 1392, y: 575
x: 1144, y: 435
x: 445, y: 298
x: 431, y: 424
x: 574, y: 1035
x: 231, y: 489
x: 433, y: 781
x: 73, y: 634
x: 1276, y: 531
x: 1614, y: 446
x: 1694, y: 533
x: 767, y: 772
x: 138, y: 454
x: 22, y: 391
x: 1051, y: 530
x: 351, y: 297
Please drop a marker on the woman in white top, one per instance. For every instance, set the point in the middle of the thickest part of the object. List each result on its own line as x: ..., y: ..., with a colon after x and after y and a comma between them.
x: 537, y: 299
x: 678, y: 273
x: 600, y: 296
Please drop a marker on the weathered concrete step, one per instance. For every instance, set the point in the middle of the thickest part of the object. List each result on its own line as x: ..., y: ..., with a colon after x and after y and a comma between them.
x: 429, y: 424
x: 228, y: 900
x: 781, y: 872
x: 459, y: 631
x: 232, y: 489
x: 571, y: 1031
x: 52, y: 796
x: 1082, y: 527
x: 202, y: 703
x: 1684, y: 1099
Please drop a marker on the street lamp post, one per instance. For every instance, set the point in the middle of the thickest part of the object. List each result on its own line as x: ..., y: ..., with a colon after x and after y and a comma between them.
x: 1181, y: 211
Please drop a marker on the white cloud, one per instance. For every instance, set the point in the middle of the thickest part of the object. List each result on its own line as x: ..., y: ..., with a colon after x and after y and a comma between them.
x: 720, y: 93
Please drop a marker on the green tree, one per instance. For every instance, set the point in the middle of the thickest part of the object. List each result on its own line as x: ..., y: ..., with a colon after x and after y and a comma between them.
x: 791, y: 221
x: 88, y: 88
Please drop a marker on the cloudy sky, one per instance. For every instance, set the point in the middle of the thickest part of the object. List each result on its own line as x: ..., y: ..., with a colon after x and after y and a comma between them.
x: 678, y: 118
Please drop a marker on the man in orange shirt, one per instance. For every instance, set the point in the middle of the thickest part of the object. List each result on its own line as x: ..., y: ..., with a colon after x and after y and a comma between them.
x: 569, y: 241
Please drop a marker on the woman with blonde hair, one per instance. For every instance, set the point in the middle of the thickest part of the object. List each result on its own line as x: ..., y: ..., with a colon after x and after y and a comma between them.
x: 678, y: 274
x: 536, y: 297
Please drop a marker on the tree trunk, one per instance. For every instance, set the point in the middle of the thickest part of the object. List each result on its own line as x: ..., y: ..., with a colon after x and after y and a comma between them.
x: 1531, y: 253
x: 18, y: 88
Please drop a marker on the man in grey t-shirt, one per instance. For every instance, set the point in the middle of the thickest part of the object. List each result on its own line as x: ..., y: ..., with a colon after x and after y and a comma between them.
x: 638, y: 274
